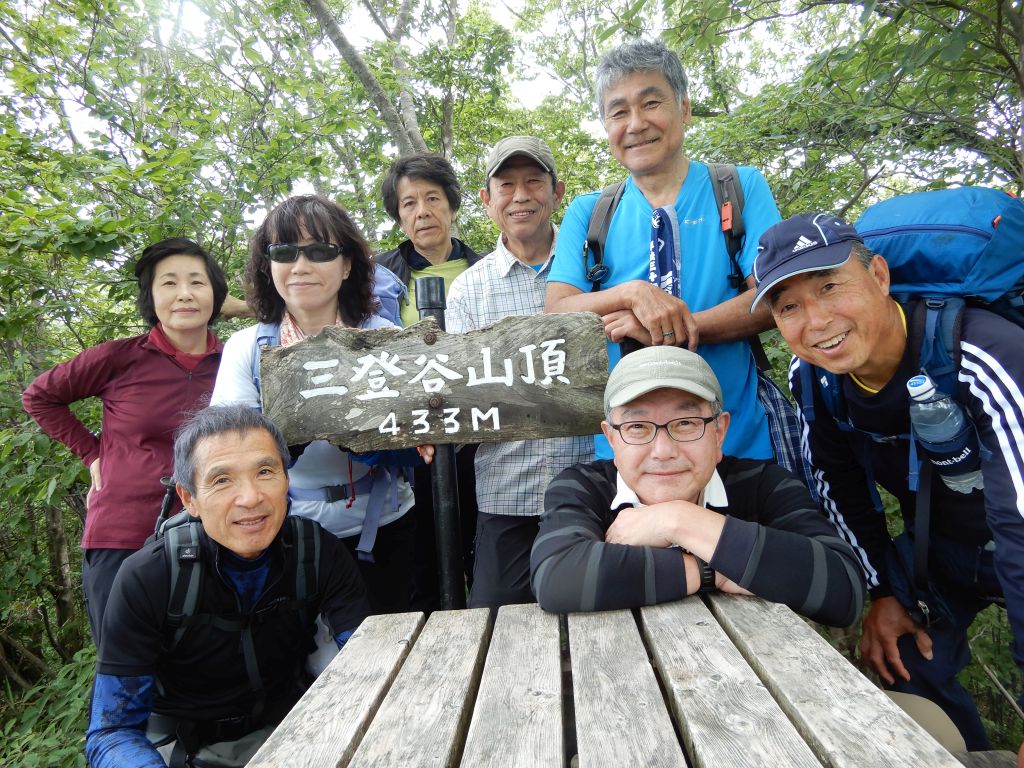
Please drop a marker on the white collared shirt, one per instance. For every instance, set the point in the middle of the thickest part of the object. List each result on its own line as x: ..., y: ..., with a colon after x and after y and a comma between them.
x: 714, y: 493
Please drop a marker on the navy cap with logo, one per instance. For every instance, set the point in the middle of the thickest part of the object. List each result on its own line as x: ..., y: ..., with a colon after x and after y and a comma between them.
x: 807, y: 242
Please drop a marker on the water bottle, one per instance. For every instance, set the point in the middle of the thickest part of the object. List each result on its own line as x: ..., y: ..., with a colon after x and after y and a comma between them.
x: 946, y: 434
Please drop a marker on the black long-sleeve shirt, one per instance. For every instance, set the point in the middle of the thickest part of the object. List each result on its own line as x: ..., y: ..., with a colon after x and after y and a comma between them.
x: 775, y: 543
x: 989, y: 379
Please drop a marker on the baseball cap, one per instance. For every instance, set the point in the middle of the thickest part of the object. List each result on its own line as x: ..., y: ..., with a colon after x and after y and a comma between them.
x: 807, y: 242
x: 660, y: 367
x: 527, y: 146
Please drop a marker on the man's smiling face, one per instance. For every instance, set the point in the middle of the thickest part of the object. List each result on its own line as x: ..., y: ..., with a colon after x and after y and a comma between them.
x: 645, y: 122
x: 520, y: 198
x: 837, y: 319
x: 241, y: 490
x: 664, y: 469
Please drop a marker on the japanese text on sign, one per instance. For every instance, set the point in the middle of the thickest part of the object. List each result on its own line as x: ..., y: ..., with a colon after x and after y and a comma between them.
x: 383, y: 372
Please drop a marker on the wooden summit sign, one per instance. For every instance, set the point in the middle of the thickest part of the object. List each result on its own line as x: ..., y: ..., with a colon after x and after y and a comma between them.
x: 521, y: 378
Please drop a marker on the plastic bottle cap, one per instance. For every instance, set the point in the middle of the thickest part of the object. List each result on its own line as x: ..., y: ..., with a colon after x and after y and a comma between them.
x: 920, y: 387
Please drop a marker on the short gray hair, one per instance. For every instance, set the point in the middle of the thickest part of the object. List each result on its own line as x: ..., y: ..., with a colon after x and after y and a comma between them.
x: 639, y: 56
x: 217, y: 420
x: 862, y: 253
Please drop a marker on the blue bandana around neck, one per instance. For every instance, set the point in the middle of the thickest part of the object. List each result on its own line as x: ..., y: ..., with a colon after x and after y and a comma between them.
x: 664, y: 261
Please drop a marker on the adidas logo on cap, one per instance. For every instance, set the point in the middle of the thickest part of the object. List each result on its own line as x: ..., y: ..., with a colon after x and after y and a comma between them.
x: 802, y: 243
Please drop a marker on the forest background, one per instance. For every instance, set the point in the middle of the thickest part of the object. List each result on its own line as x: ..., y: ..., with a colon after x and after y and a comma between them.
x: 122, y: 123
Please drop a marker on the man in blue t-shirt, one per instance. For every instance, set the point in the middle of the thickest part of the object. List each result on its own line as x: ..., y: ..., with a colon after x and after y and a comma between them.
x: 643, y: 104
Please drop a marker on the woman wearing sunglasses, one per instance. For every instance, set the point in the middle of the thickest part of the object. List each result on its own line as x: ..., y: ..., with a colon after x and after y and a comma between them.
x: 309, y: 267
x: 147, y: 384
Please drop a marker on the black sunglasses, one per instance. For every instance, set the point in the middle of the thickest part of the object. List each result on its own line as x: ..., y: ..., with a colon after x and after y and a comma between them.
x: 286, y: 253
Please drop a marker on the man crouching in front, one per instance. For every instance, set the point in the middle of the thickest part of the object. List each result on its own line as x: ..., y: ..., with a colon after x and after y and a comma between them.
x: 670, y: 516
x: 203, y: 680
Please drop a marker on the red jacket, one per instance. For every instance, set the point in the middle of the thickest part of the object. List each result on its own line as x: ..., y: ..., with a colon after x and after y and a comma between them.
x: 146, y: 395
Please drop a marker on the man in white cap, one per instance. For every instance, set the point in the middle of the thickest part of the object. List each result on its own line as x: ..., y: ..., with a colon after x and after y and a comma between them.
x: 521, y: 192
x: 670, y: 515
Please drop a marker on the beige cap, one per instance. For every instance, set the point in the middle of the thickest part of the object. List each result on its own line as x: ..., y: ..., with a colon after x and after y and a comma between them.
x: 654, y: 368
x: 527, y: 146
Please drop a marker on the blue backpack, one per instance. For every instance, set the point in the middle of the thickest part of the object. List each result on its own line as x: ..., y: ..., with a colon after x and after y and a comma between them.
x: 389, y: 292
x: 952, y: 243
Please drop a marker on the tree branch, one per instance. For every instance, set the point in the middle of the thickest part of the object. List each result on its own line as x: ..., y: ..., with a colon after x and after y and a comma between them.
x: 399, y: 132
x: 25, y: 654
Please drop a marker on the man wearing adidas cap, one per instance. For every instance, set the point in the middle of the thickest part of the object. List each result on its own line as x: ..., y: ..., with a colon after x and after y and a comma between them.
x: 670, y: 515
x: 830, y: 298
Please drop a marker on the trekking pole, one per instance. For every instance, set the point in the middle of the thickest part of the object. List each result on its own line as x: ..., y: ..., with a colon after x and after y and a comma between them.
x: 169, y: 496
x: 444, y: 479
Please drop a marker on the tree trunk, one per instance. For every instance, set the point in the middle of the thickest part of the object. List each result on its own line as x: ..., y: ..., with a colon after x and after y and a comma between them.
x: 404, y: 128
x: 448, y: 102
x: 60, y: 565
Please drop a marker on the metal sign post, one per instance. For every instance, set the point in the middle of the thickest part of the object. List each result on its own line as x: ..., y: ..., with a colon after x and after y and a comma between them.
x: 443, y: 475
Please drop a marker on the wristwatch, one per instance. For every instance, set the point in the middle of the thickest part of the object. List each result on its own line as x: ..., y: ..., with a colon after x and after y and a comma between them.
x: 707, y: 576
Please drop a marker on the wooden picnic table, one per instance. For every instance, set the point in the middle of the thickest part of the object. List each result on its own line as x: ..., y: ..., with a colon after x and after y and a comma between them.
x: 721, y: 682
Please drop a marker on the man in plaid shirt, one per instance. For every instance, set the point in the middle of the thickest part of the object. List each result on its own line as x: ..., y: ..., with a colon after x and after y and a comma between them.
x: 521, y: 192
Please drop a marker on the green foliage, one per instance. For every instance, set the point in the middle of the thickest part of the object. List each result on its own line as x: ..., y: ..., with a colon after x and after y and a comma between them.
x: 121, y: 124
x: 990, y: 640
x: 47, y: 729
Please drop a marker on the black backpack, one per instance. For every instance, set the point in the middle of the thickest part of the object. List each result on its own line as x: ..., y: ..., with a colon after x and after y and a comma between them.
x: 725, y: 182
x: 783, y: 424
x: 180, y: 535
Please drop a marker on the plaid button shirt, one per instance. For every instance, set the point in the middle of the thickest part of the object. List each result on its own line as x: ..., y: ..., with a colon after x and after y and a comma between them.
x: 511, y: 477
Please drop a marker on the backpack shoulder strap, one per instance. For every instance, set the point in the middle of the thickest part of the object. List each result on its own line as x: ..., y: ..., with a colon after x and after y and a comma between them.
x: 305, y: 538
x: 597, y: 231
x: 267, y: 335
x: 935, y: 332
x: 181, y: 543
x: 725, y: 182
x: 828, y: 384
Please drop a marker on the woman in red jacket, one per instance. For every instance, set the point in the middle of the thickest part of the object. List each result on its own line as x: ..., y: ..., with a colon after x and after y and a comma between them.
x: 148, y: 384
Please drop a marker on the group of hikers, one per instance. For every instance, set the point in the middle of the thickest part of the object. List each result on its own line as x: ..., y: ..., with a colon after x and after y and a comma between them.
x: 702, y: 478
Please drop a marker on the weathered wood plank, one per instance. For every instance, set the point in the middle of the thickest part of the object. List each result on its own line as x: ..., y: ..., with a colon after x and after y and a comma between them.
x: 996, y: 758
x: 517, y: 719
x: 841, y: 714
x: 725, y: 714
x: 523, y: 377
x: 422, y: 721
x: 621, y: 718
x: 325, y: 726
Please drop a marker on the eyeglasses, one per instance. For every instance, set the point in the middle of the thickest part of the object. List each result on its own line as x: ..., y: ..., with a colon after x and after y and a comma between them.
x: 285, y: 253
x: 684, y: 430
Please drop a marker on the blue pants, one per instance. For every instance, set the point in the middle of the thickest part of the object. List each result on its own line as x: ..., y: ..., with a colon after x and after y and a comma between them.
x: 967, y: 580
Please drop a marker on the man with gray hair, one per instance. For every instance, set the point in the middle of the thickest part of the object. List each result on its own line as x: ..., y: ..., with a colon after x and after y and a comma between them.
x: 204, y: 680
x: 521, y: 192
x: 671, y: 516
x: 666, y: 276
